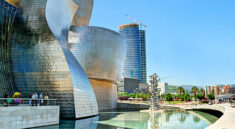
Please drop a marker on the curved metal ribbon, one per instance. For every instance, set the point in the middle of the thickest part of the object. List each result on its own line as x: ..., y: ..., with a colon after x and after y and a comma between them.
x: 59, y: 16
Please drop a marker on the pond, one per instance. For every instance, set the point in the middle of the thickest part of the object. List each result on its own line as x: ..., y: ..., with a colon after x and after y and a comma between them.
x: 121, y: 119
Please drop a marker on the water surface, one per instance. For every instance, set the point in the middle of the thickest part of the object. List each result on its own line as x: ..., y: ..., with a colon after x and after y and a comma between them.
x: 119, y: 119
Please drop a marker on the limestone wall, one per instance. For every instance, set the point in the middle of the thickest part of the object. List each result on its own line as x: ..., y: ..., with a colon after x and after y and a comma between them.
x: 28, y: 116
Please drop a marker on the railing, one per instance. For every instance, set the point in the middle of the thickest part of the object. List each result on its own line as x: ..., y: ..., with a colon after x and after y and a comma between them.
x: 6, y: 102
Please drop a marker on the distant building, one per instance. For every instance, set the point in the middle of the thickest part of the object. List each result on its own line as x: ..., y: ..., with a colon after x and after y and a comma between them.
x: 231, y: 90
x: 164, y: 87
x: 143, y: 56
x: 143, y: 86
x: 135, y: 59
x: 225, y: 89
x: 129, y: 85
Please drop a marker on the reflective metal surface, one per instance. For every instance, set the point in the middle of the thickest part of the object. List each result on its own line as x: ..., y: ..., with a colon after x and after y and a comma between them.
x: 84, y: 98
x: 13, y: 2
x: 41, y: 60
x: 83, y: 14
x: 7, y: 13
x: 100, y: 51
x: 132, y: 65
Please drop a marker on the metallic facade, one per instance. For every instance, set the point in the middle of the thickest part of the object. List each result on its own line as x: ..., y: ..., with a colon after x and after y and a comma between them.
x: 101, y: 53
x: 41, y: 60
x: 7, y: 13
x: 84, y: 97
x: 83, y: 14
x: 143, y: 56
x: 132, y: 64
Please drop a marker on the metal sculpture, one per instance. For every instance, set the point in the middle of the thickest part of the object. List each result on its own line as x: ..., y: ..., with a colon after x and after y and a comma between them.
x: 154, y: 92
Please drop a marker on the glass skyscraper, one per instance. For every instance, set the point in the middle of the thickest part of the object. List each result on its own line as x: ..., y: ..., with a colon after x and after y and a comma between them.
x: 135, y: 60
x: 143, y: 56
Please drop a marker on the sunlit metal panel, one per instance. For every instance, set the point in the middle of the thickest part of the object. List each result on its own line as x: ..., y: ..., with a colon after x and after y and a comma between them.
x: 83, y: 14
x: 42, y: 62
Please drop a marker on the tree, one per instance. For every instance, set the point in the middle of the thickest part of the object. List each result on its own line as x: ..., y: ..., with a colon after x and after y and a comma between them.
x: 211, y: 96
x: 202, y: 91
x: 180, y: 90
x: 169, y: 97
x: 187, y: 97
x: 195, y: 90
x: 200, y: 96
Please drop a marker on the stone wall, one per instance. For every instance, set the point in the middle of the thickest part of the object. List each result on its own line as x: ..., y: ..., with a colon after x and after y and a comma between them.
x: 28, y: 116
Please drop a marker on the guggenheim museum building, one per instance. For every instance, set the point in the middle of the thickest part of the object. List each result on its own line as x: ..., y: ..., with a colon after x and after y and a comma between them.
x: 47, y: 46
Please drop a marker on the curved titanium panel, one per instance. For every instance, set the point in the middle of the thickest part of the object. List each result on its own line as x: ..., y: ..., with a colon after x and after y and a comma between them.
x: 7, y: 12
x: 132, y: 64
x: 41, y: 64
x: 83, y: 14
x: 100, y: 51
x: 84, y: 97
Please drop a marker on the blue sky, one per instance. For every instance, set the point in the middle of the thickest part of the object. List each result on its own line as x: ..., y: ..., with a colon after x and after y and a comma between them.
x: 188, y: 41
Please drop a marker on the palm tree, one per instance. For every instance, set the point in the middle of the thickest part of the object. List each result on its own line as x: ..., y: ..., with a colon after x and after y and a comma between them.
x: 202, y: 91
x: 195, y: 90
x: 180, y: 90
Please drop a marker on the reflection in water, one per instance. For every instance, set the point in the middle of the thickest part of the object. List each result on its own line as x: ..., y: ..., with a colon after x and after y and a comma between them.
x: 196, y: 119
x: 117, y: 119
x: 182, y: 115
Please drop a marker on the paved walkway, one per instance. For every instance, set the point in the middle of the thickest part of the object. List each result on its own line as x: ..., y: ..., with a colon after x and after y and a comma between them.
x: 227, y: 121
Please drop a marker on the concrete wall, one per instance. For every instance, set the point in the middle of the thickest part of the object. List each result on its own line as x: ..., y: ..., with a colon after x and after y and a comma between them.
x: 131, y: 85
x: 28, y: 116
x: 132, y: 106
x: 106, y: 93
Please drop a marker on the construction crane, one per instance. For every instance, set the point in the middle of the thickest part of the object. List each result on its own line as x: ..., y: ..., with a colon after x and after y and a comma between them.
x: 138, y: 22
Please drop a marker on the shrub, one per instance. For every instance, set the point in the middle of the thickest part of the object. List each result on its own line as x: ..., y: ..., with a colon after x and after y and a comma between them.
x: 187, y: 97
x: 211, y: 96
x: 200, y: 96
x: 169, y: 97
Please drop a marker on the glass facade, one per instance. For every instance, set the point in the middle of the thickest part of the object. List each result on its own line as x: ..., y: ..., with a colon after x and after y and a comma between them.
x: 41, y: 61
x: 143, y: 56
x: 132, y: 64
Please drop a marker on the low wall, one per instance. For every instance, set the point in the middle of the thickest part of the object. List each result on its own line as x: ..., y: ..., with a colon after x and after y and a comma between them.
x: 132, y: 106
x: 226, y: 121
x: 28, y: 116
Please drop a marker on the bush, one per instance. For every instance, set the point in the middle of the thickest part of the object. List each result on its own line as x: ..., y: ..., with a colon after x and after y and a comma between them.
x: 169, y: 97
x: 123, y: 94
x: 132, y: 95
x: 211, y: 96
x: 187, y: 97
x: 200, y: 96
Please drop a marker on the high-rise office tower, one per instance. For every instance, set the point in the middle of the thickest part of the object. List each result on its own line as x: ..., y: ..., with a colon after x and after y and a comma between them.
x: 135, y: 60
x: 132, y: 63
x: 143, y: 56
